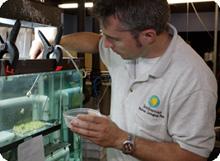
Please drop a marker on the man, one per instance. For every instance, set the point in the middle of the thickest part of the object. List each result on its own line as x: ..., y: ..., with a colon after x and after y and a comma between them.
x: 163, y: 94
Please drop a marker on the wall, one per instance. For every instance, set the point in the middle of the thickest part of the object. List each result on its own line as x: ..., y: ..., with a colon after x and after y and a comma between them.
x: 179, y: 20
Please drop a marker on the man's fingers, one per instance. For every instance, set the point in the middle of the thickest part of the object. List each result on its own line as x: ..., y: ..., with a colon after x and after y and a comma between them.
x: 88, y: 125
x: 84, y: 132
x: 92, y: 118
x: 40, y: 56
x: 36, y: 49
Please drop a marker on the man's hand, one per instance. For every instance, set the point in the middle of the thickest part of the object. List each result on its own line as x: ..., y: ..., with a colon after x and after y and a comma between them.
x: 100, y: 130
x: 36, y: 50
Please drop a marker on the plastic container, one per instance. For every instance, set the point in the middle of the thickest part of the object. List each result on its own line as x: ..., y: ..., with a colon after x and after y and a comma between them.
x: 69, y: 115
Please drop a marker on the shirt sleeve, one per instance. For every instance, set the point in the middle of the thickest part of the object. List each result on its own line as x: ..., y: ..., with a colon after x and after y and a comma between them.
x: 191, y: 121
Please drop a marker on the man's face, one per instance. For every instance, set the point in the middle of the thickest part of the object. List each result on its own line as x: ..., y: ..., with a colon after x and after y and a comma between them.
x: 121, y: 41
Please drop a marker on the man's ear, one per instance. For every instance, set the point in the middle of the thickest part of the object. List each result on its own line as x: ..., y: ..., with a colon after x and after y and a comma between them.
x: 148, y: 36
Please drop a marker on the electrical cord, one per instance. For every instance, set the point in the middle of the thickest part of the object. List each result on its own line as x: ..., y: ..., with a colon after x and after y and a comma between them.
x: 72, y: 60
x: 200, y: 20
x: 101, y: 98
x: 29, y: 92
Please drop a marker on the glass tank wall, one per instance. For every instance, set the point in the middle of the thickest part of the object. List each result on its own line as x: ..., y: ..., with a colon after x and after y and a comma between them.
x: 31, y: 104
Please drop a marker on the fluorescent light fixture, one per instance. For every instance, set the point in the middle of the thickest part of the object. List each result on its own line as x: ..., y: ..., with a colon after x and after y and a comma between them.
x: 68, y: 5
x: 74, y: 5
x: 90, y: 4
x: 192, y: 1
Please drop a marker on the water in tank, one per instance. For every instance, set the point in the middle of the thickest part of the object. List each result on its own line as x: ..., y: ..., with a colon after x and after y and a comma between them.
x: 34, y: 103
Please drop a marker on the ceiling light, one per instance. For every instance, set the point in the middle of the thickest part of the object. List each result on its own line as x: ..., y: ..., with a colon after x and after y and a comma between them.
x: 74, y: 5
x: 191, y: 1
x: 90, y: 4
x: 68, y: 5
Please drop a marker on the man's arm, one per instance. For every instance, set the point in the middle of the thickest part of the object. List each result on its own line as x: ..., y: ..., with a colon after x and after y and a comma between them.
x: 104, y: 132
x: 162, y: 151
x: 79, y: 42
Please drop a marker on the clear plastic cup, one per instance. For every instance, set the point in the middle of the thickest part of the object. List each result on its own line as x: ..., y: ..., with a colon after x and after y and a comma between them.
x: 69, y: 115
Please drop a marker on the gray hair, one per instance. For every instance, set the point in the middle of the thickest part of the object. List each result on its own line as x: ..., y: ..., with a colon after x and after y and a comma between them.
x: 135, y: 15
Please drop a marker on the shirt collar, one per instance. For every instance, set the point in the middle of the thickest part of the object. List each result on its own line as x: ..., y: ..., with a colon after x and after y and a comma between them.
x: 161, y: 66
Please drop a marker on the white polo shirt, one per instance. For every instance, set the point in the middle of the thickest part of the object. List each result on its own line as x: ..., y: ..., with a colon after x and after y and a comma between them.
x: 172, y: 99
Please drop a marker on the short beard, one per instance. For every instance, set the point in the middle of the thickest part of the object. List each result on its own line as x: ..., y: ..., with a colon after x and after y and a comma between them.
x: 135, y: 35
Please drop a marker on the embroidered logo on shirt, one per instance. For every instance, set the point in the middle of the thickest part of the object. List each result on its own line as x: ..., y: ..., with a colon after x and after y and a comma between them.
x: 154, y: 102
x: 151, y: 107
